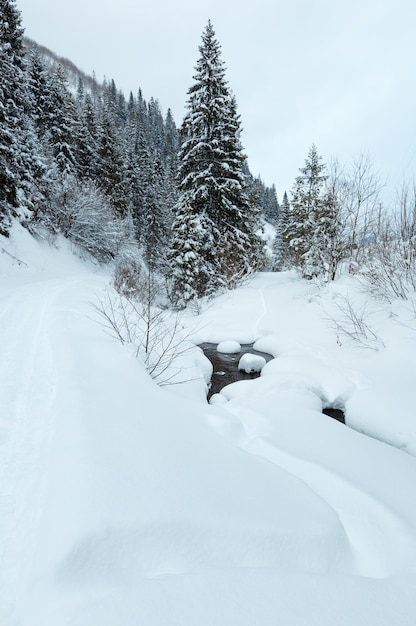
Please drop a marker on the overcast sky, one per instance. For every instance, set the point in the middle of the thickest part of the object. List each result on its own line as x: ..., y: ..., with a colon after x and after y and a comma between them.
x: 334, y: 72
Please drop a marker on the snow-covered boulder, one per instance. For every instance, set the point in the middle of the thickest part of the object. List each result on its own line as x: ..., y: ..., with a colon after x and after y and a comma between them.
x: 218, y: 399
x: 250, y: 363
x: 229, y: 347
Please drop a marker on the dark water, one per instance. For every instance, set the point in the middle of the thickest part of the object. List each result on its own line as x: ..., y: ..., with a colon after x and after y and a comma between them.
x: 225, y: 366
x: 337, y: 414
x: 225, y: 372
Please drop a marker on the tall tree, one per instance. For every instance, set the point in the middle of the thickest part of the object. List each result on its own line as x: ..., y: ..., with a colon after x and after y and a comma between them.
x: 212, y: 170
x: 280, y: 258
x: 14, y: 128
x: 306, y: 216
x: 111, y: 167
x: 62, y: 123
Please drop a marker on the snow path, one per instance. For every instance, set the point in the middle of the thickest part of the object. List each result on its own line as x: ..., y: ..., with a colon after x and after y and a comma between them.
x: 24, y: 421
x: 28, y: 315
x: 264, y: 311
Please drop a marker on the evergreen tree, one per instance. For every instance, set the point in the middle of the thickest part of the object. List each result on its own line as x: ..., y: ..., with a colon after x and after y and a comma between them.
x: 303, y: 230
x: 85, y: 135
x: 62, y: 124
x: 13, y: 115
x: 41, y: 106
x: 110, y: 166
x: 280, y: 258
x: 189, y: 271
x: 155, y: 222
x: 212, y: 170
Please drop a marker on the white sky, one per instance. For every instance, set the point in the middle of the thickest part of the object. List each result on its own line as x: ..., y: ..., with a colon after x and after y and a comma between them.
x: 335, y: 72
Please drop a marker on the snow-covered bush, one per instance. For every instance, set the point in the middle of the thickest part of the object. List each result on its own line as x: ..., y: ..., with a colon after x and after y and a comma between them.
x: 129, y: 271
x: 94, y: 228
x: 84, y: 216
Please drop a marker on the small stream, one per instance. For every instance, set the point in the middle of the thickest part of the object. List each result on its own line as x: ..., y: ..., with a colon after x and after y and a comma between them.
x: 225, y: 366
x: 225, y: 371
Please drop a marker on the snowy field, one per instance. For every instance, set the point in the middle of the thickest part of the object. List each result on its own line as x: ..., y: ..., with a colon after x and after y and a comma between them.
x: 126, y: 504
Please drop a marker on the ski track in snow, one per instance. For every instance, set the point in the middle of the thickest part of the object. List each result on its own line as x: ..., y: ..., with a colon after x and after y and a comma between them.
x: 256, y: 325
x: 26, y: 425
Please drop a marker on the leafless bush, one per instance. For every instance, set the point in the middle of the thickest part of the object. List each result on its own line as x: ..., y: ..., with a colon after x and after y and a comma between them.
x: 361, y: 204
x: 352, y: 322
x: 156, y: 336
x: 390, y: 270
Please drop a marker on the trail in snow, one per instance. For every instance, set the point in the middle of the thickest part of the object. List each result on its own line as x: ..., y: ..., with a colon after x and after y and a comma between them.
x: 264, y: 311
x: 26, y: 395
x: 29, y: 383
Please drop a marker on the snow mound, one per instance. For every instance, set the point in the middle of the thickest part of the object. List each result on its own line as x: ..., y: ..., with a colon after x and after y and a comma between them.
x: 251, y: 363
x: 217, y: 399
x: 229, y: 347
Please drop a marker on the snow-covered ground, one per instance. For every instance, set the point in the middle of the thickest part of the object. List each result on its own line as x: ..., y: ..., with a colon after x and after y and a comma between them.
x: 123, y: 503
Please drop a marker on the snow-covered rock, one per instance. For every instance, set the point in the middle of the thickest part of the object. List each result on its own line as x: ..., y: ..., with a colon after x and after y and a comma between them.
x: 217, y: 399
x: 229, y: 347
x: 251, y: 363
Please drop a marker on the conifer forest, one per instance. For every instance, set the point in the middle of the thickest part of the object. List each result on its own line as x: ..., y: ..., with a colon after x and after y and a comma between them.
x: 124, y: 184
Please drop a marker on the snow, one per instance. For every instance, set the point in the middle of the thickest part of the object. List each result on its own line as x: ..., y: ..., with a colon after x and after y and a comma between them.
x: 229, y: 347
x: 123, y: 503
x: 250, y: 363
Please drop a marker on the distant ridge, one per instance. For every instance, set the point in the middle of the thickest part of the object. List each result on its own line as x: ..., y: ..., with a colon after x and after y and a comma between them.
x: 72, y: 72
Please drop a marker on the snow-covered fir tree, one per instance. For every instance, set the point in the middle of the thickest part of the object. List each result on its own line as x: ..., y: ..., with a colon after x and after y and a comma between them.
x: 280, y: 256
x: 62, y: 124
x: 189, y: 271
x: 17, y: 141
x: 212, y: 173
x: 304, y: 230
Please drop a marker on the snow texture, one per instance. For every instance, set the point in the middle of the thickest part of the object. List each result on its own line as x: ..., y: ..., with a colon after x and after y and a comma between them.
x: 229, y: 347
x: 124, y: 503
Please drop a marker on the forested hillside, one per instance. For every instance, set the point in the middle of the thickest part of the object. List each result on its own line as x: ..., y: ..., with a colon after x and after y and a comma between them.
x: 108, y: 172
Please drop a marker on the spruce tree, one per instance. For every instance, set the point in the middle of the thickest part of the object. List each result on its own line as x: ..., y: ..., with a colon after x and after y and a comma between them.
x: 212, y: 172
x: 62, y: 123
x: 13, y: 115
x: 303, y: 230
x: 280, y: 258
x: 189, y: 271
x: 111, y: 166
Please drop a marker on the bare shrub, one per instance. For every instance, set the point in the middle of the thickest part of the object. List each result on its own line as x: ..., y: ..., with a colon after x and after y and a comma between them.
x: 352, y: 322
x: 390, y: 270
x: 156, y: 336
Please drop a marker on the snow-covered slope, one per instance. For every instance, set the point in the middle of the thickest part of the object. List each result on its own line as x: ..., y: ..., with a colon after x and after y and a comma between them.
x: 122, y: 503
